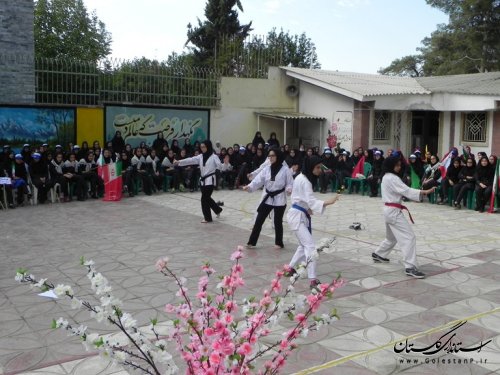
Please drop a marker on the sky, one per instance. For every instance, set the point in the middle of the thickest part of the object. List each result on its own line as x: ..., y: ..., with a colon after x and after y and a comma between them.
x: 350, y: 35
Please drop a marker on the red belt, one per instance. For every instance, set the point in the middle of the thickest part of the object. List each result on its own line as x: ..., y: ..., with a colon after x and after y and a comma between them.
x: 401, y: 207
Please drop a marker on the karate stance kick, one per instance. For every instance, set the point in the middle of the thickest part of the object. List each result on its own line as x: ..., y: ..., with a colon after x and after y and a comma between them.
x: 209, y: 163
x: 277, y: 180
x: 304, y: 204
x: 397, y: 228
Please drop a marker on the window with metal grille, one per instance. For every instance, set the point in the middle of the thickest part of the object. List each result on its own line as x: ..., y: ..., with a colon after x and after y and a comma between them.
x: 475, y: 126
x: 382, y: 126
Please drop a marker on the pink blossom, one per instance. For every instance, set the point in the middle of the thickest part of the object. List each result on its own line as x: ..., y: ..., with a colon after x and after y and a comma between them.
x: 265, y: 332
x: 238, y: 254
x: 161, y: 263
x: 203, y: 282
x: 214, y: 358
x: 228, y: 318
x: 201, y: 295
x: 283, y: 344
x: 206, y: 268
x: 300, y: 318
x: 209, y: 332
x: 266, y: 301
x: 169, y: 308
x: 275, y: 286
x: 219, y: 299
x: 230, y: 306
x: 313, y: 300
x: 245, y: 349
x: 238, y: 268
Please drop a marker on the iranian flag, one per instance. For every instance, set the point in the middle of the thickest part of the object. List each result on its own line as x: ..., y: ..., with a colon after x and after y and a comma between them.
x: 445, y: 163
x: 414, y: 179
x: 496, y: 182
x: 112, y: 176
x: 359, y: 169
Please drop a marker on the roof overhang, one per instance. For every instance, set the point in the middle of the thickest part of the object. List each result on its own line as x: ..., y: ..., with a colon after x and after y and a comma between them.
x: 290, y: 116
x: 326, y: 86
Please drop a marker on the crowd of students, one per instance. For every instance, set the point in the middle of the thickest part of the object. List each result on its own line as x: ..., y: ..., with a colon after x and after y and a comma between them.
x: 74, y: 169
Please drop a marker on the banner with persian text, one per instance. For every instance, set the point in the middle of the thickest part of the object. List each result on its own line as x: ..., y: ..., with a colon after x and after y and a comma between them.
x: 141, y: 124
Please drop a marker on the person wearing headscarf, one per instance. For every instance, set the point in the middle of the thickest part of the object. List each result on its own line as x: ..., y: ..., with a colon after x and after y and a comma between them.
x: 159, y: 143
x: 397, y: 228
x: 258, y: 139
x: 208, y: 162
x: 466, y: 182
x: 328, y: 174
x: 273, y: 141
x: 432, y: 175
x: 277, y: 181
x: 451, y: 178
x: 485, y: 175
x: 20, y: 179
x: 175, y: 148
x: 118, y: 143
x: 304, y: 203
x: 39, y: 172
x: 375, y: 176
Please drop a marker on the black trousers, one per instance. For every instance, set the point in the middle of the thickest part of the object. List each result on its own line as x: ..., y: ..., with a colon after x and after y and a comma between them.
x: 324, y: 180
x: 207, y: 203
x: 262, y: 214
x: 43, y: 188
x: 373, y: 182
x: 483, y: 196
x: 460, y: 191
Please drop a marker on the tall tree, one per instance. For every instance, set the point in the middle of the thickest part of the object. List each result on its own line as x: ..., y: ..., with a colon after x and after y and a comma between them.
x: 469, y: 43
x: 64, y: 28
x: 221, y: 26
x: 297, y: 50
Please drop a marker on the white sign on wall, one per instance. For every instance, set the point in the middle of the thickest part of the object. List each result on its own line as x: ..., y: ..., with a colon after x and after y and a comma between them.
x: 341, y: 130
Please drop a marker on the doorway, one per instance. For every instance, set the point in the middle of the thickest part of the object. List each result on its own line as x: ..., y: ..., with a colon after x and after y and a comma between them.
x: 425, y: 131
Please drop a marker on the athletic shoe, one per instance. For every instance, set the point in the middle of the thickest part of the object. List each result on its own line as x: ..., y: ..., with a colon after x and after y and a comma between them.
x: 314, y: 284
x: 413, y: 272
x: 291, y: 273
x: 250, y: 246
x: 378, y: 259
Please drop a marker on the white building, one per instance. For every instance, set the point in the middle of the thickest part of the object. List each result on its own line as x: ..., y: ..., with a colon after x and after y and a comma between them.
x: 367, y: 110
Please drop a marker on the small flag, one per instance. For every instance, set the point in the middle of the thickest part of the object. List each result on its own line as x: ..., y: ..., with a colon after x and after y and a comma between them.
x: 112, y: 181
x: 359, y: 169
x: 465, y: 153
x: 494, y: 190
x: 445, y: 163
x: 414, y: 179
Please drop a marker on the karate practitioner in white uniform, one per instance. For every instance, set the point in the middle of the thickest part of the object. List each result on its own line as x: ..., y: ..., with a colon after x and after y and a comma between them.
x: 304, y: 204
x: 397, y: 228
x: 277, y: 181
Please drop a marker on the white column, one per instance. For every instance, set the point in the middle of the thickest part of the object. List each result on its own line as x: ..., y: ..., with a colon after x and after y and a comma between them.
x: 258, y: 122
x: 284, y: 132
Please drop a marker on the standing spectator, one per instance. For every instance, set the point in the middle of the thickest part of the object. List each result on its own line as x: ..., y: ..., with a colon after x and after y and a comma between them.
x: 26, y: 153
x: 273, y: 141
x: 217, y: 148
x: 328, y: 165
x: 159, y: 142
x: 175, y: 148
x: 188, y: 147
x: 375, y: 177
x: 258, y: 139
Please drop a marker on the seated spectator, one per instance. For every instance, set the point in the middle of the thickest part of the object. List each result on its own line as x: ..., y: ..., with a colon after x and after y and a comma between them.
x: 169, y: 169
x: 20, y: 179
x: 188, y: 174
x: 7, y: 188
x: 87, y: 168
x: 432, y: 175
x: 258, y: 159
x: 127, y: 173
x: 343, y: 170
x: 57, y: 175
x: 227, y: 173
x: 466, y: 182
x: 140, y: 171
x: 154, y: 170
x: 451, y: 178
x: 159, y: 143
x: 484, y: 183
x: 39, y: 172
x: 273, y: 141
x: 70, y: 169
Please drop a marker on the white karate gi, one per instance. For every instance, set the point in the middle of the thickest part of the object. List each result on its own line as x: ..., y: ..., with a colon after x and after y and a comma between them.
x: 397, y: 228
x: 302, y: 195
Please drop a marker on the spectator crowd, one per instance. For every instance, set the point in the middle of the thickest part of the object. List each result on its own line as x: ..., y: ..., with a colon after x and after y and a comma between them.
x: 71, y: 172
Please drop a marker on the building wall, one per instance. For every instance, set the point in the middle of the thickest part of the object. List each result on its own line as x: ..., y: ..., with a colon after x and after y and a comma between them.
x: 236, y: 120
x: 17, y: 74
x: 89, y: 125
x: 322, y: 103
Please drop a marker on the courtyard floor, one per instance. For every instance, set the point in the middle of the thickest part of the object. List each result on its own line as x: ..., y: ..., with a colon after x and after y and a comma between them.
x: 379, y: 306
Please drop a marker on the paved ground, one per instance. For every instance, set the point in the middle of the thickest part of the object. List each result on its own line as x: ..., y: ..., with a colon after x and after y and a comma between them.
x: 379, y: 306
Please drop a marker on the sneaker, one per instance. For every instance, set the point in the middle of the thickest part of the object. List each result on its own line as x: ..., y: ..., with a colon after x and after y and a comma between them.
x: 378, y: 259
x: 413, y: 272
x: 181, y: 188
x: 314, y: 284
x: 291, y: 273
x: 250, y: 246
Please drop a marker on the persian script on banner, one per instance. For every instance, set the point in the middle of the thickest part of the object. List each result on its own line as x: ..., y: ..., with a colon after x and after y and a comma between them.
x: 341, y: 129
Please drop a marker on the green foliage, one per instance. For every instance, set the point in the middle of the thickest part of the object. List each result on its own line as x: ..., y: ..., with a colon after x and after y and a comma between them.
x: 297, y: 50
x: 64, y: 28
x: 221, y: 22
x: 469, y: 43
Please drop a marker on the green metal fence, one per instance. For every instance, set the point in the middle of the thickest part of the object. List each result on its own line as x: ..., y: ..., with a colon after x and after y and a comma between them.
x: 121, y: 81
